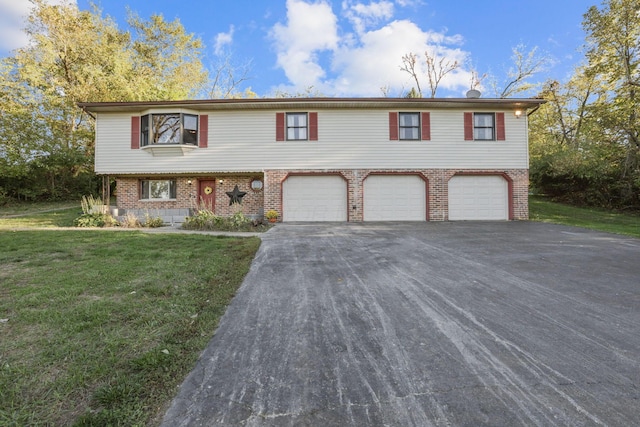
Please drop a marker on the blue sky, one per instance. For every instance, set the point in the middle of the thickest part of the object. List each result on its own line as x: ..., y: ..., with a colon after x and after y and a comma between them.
x: 355, y: 47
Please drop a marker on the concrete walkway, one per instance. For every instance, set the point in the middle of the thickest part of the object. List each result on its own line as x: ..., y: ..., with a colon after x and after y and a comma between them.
x: 435, y: 324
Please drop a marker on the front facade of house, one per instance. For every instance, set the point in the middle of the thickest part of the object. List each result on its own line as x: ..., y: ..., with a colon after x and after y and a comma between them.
x: 320, y: 159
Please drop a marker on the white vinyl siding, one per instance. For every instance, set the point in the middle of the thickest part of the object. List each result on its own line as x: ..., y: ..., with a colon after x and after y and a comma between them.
x: 395, y: 198
x: 314, y: 198
x: 478, y: 198
x: 244, y: 140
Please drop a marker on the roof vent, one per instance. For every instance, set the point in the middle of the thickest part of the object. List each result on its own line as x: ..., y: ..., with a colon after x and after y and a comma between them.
x: 473, y: 93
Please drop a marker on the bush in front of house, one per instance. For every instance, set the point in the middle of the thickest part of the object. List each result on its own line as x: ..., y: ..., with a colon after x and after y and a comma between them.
x: 206, y: 220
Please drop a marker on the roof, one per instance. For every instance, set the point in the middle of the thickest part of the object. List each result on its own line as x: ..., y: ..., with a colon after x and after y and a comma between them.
x: 317, y: 103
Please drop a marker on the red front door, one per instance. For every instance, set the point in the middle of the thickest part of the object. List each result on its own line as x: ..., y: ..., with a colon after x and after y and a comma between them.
x: 207, y: 195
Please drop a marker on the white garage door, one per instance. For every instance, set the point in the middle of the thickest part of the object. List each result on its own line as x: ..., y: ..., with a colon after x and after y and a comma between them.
x: 478, y: 198
x: 314, y: 198
x: 395, y: 198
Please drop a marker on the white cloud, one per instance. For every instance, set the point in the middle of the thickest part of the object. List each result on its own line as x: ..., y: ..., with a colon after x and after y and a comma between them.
x: 376, y: 62
x: 365, y: 15
x: 13, y: 14
x: 360, y: 63
x: 310, y: 29
x: 223, y: 39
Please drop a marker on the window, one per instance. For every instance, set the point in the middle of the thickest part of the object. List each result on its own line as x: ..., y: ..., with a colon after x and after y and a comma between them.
x: 409, y: 126
x: 484, y: 126
x: 169, y: 129
x: 158, y: 190
x: 256, y: 184
x: 296, y: 126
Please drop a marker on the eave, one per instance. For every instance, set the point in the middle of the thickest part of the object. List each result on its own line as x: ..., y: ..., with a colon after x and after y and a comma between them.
x: 317, y: 104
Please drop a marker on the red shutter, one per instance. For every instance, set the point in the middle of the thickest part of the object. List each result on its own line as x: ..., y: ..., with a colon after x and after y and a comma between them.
x: 135, y: 132
x: 280, y: 127
x: 313, y: 126
x: 393, y: 126
x: 426, y: 126
x: 203, y: 140
x: 500, y: 133
x: 468, y: 126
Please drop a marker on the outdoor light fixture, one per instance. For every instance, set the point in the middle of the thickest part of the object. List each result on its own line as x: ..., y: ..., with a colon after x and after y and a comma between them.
x: 221, y: 181
x: 518, y: 113
x: 189, y: 181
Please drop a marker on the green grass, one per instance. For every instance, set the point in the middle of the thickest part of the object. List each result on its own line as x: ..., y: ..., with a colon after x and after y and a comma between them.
x: 51, y: 219
x: 544, y: 210
x: 100, y: 327
x: 35, y: 207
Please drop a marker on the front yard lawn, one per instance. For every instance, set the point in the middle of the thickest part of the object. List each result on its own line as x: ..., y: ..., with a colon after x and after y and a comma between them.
x: 543, y: 210
x: 99, y: 328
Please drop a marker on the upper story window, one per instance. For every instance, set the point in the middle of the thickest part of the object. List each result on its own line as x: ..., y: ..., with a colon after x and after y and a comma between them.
x: 409, y: 125
x: 484, y: 126
x: 297, y: 126
x: 172, y: 128
x: 157, y: 189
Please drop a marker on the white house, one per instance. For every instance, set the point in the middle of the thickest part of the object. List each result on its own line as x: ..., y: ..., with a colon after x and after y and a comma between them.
x: 320, y: 159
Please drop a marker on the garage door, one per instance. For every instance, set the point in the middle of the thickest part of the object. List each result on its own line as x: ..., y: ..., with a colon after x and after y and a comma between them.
x: 478, y: 198
x: 395, y: 198
x: 314, y: 198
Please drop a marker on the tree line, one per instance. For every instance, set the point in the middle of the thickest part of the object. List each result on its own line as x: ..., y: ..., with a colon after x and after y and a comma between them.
x: 46, y: 141
x: 584, y: 142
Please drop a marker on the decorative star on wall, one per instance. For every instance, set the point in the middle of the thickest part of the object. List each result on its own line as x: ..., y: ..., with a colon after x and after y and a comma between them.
x: 235, y: 196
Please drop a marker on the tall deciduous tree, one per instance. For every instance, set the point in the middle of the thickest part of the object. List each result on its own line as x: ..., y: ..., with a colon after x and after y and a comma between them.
x: 46, y: 141
x: 613, y: 42
x: 167, y: 59
x: 585, y: 144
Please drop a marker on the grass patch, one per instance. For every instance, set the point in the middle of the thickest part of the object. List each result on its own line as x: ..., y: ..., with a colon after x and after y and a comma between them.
x: 50, y: 219
x: 543, y: 210
x: 102, y: 327
x: 25, y: 208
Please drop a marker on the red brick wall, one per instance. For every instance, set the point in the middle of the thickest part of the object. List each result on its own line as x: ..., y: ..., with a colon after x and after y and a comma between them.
x: 438, y: 189
x: 128, y: 196
x: 256, y: 203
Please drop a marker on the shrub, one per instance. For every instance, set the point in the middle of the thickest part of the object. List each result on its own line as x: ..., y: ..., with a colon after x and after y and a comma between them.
x: 153, y: 221
x: 130, y: 220
x: 95, y: 220
x: 206, y: 220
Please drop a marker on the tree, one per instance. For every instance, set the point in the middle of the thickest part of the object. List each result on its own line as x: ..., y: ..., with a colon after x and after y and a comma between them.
x: 613, y: 43
x: 585, y: 144
x: 435, y: 69
x: 227, y: 77
x: 517, y: 78
x: 46, y: 141
x: 167, y: 60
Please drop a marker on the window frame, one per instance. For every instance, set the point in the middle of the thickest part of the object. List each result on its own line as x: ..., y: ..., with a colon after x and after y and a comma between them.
x: 147, y: 124
x: 173, y: 190
x: 417, y: 127
x: 492, y: 127
x: 295, y: 128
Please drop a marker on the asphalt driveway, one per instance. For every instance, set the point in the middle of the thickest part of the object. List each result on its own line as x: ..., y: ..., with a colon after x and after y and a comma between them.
x: 436, y: 324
